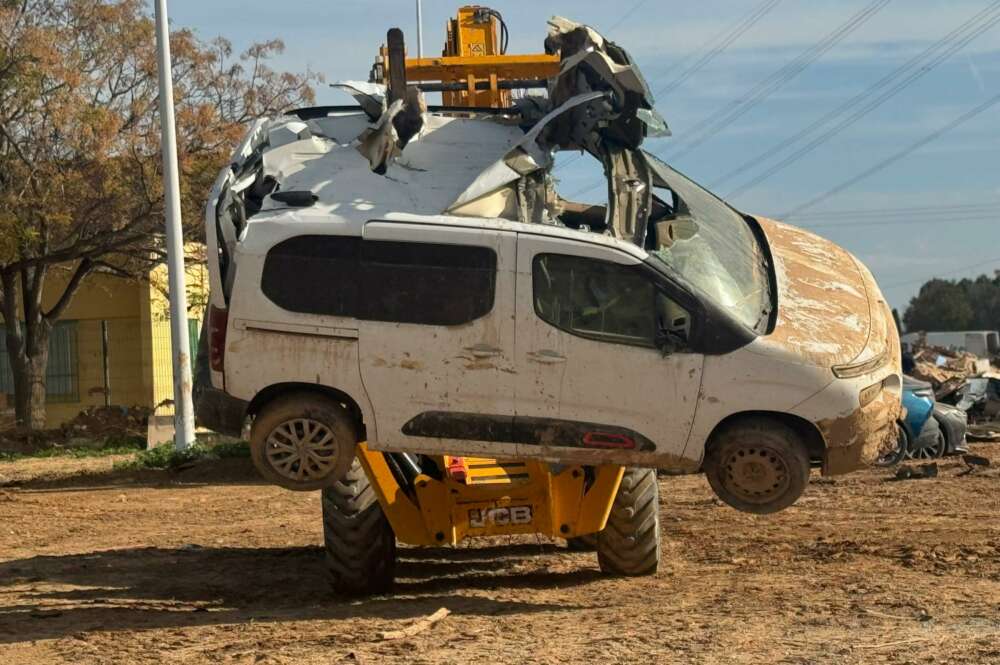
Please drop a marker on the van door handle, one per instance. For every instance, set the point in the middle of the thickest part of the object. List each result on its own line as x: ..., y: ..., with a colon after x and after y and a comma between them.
x: 483, y: 351
x: 546, y: 357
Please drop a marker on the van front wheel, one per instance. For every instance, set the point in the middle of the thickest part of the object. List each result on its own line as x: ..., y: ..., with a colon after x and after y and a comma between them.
x: 757, y: 465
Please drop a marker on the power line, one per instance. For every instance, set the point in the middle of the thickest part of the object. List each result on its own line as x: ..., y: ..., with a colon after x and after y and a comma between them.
x: 922, y: 280
x: 728, y: 38
x: 624, y: 17
x: 726, y: 116
x: 885, y: 163
x: 914, y: 210
x: 909, y: 72
x: 943, y: 221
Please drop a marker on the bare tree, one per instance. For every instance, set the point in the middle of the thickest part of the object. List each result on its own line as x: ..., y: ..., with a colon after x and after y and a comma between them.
x: 80, y: 182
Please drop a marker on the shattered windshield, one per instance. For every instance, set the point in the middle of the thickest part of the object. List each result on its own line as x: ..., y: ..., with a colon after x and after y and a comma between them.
x: 708, y: 244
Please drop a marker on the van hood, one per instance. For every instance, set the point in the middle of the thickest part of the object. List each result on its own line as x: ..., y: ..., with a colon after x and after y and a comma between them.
x: 824, y: 298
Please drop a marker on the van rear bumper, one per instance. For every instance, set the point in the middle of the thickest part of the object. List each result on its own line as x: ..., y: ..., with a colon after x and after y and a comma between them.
x: 215, y: 409
x: 219, y: 411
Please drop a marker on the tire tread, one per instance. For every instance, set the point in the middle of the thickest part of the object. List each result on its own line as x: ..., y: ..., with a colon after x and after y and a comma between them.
x: 630, y: 542
x: 359, y: 541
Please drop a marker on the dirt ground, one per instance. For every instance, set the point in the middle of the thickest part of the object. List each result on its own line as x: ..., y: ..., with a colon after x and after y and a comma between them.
x: 210, y: 566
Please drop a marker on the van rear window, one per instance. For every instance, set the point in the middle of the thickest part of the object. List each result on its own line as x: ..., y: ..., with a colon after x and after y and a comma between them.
x: 313, y: 275
x: 423, y: 283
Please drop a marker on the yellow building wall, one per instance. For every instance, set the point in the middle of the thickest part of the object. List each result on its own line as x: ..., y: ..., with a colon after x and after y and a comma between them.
x: 161, y: 371
x: 117, y: 301
x: 139, y: 349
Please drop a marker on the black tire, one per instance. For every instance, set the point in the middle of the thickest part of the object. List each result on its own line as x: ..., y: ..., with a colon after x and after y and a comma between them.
x: 783, y: 460
x: 360, y: 544
x: 934, y: 451
x: 630, y: 542
x: 897, y: 454
x: 321, y: 412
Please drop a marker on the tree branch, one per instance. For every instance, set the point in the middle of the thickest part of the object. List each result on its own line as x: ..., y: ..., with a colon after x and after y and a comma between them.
x: 82, y: 270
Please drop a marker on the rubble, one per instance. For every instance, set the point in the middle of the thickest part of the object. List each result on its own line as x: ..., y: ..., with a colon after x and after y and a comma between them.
x: 110, y: 422
x: 94, y: 427
x: 963, y: 380
x: 946, y: 370
x: 988, y: 432
x: 916, y: 472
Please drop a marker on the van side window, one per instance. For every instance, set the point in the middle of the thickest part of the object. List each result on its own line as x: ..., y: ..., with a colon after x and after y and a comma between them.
x: 432, y: 284
x: 605, y: 301
x: 313, y: 275
x: 399, y: 282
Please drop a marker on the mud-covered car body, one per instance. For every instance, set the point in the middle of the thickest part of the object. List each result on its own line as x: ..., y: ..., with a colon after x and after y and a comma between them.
x: 447, y: 292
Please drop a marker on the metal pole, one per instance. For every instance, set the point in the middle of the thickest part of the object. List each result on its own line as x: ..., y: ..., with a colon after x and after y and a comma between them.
x: 420, y: 29
x: 106, y: 366
x: 183, y: 406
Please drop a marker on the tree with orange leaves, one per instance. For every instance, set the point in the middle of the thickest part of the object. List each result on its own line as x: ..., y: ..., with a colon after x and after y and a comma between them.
x: 80, y: 180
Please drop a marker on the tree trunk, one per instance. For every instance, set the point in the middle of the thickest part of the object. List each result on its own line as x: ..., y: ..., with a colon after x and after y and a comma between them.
x: 27, y: 336
x: 29, y: 385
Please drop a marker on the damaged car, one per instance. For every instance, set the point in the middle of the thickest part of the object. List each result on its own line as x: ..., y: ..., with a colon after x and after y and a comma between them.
x: 417, y: 273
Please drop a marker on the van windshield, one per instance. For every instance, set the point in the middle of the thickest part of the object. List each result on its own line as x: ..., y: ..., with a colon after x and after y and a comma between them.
x: 709, y: 245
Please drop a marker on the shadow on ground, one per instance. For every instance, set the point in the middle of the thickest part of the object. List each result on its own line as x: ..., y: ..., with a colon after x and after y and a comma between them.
x: 236, y: 471
x: 58, y: 596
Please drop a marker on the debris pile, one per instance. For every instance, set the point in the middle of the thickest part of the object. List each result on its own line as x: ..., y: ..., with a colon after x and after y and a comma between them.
x: 94, y: 427
x: 964, y: 380
x: 946, y: 370
x: 109, y: 422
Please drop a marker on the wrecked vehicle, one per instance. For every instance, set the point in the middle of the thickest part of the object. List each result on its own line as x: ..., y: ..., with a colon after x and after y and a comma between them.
x: 412, y: 277
x: 954, y: 423
x: 917, y: 432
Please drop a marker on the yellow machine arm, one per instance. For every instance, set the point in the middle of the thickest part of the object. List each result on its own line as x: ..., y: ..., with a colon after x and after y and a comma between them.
x: 474, y: 69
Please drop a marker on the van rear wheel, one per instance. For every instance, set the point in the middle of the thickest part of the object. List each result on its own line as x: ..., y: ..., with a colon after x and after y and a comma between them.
x: 303, y: 441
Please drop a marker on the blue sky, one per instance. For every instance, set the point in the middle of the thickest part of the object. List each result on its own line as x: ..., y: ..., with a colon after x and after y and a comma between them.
x: 920, y: 240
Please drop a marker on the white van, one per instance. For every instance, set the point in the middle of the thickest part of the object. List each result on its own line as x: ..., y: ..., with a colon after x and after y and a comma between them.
x: 441, y: 309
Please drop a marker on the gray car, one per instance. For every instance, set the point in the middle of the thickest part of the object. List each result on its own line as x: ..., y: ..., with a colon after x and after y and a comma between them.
x: 954, y: 423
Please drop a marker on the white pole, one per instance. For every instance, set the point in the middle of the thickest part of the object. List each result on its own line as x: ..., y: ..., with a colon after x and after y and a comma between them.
x: 183, y: 406
x: 420, y: 29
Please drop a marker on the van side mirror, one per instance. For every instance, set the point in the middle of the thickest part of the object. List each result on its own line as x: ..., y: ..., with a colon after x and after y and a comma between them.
x: 668, y: 341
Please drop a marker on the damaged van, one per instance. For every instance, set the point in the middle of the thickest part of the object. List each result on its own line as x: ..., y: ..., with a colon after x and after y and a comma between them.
x: 414, y: 277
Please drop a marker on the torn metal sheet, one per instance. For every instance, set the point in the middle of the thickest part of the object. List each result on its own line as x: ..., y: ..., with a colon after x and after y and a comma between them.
x: 393, y: 130
x: 526, y: 157
x: 369, y: 96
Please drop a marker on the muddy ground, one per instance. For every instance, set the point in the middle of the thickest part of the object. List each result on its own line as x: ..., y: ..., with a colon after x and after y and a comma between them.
x: 210, y: 566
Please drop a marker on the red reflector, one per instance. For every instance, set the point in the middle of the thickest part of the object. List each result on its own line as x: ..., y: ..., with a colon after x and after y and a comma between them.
x: 458, y: 469
x: 608, y: 440
x: 218, y: 321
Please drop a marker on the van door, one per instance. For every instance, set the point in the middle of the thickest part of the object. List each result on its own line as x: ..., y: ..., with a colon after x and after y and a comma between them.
x: 437, y: 335
x: 590, y: 374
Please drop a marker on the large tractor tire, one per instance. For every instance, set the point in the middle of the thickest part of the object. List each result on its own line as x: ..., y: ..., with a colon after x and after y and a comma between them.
x: 630, y: 542
x: 360, y: 544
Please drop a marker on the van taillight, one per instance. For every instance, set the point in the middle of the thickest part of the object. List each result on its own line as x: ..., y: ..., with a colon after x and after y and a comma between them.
x: 218, y: 321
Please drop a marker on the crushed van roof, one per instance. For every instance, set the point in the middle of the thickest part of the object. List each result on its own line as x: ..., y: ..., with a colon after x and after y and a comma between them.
x: 436, y: 167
